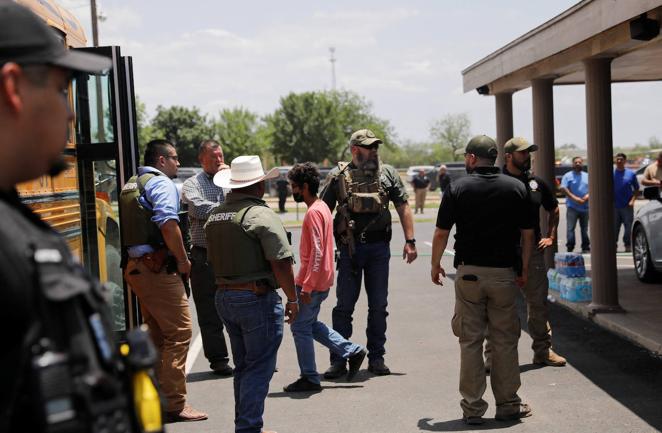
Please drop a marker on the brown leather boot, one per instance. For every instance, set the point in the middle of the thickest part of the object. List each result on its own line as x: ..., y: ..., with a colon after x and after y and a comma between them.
x: 550, y: 358
x: 185, y: 415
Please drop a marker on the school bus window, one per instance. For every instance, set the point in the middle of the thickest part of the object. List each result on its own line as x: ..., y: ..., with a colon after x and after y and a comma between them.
x: 93, y: 105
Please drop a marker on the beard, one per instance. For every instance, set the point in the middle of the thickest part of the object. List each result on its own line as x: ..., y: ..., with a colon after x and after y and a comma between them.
x: 368, y: 163
x: 468, y: 168
x: 524, y: 165
x: 58, y: 166
x: 298, y: 197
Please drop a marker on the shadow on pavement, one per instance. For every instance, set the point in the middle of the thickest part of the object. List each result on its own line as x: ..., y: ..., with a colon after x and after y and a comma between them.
x: 459, y: 425
x: 528, y: 367
x: 628, y: 373
x: 202, y: 376
x: 294, y: 395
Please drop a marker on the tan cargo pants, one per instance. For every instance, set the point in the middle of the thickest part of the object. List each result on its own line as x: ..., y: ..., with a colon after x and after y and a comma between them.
x: 165, y: 310
x: 485, y: 300
x: 535, y: 293
x: 420, y: 194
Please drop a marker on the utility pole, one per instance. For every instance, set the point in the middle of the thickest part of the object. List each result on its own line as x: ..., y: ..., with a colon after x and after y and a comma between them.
x: 95, y: 26
x: 332, y: 50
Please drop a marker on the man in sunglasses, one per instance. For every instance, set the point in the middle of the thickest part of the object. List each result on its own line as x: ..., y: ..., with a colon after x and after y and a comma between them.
x: 361, y: 191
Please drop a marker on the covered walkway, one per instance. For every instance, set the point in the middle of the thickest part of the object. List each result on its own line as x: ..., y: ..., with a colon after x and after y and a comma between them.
x: 594, y: 43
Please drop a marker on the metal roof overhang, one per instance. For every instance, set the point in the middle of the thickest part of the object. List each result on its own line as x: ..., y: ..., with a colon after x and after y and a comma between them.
x: 556, y: 49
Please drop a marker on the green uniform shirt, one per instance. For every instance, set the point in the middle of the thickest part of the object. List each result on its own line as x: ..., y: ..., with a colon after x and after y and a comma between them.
x: 392, y: 184
x: 242, y: 253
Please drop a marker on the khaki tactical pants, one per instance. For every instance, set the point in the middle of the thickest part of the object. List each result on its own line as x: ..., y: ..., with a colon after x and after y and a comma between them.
x: 420, y: 198
x: 535, y: 293
x: 165, y: 309
x: 485, y: 300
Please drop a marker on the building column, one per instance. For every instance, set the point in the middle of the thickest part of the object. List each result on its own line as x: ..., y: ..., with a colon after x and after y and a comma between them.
x: 542, y: 91
x: 601, y: 186
x: 504, y: 122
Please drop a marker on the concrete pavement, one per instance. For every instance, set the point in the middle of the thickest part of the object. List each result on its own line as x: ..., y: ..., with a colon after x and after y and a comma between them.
x: 609, y: 385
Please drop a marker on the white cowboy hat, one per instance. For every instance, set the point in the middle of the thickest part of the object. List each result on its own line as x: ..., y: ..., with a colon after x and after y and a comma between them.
x: 244, y: 171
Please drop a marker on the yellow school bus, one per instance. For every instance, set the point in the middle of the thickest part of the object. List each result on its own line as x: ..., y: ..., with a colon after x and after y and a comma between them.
x: 81, y: 202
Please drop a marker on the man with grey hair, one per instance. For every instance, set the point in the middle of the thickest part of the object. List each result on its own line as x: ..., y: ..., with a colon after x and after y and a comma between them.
x: 443, y: 179
x: 202, y: 196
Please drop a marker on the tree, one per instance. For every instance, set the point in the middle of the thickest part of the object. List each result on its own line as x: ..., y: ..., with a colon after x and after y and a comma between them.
x: 145, y: 130
x: 185, y: 128
x: 241, y: 132
x: 450, y: 134
x: 315, y: 126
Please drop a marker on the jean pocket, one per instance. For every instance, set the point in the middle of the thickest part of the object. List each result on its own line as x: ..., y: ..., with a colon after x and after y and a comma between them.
x: 248, y: 315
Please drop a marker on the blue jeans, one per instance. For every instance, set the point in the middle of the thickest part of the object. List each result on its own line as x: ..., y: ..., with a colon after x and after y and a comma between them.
x: 370, y: 261
x: 572, y: 216
x: 623, y: 216
x: 306, y: 328
x: 255, y: 327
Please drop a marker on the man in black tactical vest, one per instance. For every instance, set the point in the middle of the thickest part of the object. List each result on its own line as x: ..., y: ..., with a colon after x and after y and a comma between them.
x: 249, y: 250
x: 60, y: 367
x: 157, y: 268
x: 361, y: 189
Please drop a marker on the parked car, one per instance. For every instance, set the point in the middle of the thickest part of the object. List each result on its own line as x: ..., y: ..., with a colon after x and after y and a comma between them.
x: 646, y: 239
x: 184, y: 173
x: 640, y: 174
x: 559, y: 171
x: 414, y: 169
x: 270, y: 187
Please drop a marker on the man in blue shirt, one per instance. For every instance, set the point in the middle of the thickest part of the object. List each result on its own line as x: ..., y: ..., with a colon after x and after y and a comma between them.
x: 156, y: 268
x: 575, y: 186
x: 626, y: 189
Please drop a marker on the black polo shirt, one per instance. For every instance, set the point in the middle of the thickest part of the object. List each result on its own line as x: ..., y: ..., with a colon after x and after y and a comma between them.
x: 489, y: 209
x: 540, y: 194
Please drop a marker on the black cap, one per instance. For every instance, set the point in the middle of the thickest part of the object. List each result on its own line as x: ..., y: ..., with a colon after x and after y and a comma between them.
x: 481, y: 146
x: 25, y: 39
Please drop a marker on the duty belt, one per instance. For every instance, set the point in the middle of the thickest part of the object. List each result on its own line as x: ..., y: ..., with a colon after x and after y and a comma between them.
x: 375, y: 236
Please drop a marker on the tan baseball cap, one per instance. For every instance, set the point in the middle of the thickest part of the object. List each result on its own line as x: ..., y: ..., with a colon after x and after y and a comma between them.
x: 364, y: 137
x: 519, y: 144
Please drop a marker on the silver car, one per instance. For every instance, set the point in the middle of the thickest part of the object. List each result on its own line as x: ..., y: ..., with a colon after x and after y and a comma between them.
x: 647, y: 238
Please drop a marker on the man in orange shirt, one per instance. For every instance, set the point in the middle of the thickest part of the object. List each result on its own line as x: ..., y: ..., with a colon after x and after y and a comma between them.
x: 313, y: 281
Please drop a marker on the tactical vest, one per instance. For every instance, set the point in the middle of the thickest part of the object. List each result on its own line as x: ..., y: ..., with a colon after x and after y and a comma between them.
x: 361, y: 192
x: 136, y: 224
x: 72, y: 377
x: 235, y: 255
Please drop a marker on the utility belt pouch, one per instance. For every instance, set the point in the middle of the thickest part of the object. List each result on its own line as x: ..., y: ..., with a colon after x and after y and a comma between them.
x: 365, y: 202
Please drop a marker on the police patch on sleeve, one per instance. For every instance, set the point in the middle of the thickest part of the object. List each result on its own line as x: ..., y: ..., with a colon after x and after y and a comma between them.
x: 533, y: 185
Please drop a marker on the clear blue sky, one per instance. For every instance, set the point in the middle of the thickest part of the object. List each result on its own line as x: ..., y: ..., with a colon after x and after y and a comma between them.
x: 404, y: 57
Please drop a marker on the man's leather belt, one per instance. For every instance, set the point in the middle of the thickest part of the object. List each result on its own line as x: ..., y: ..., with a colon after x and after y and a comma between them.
x: 249, y: 286
x: 371, y: 237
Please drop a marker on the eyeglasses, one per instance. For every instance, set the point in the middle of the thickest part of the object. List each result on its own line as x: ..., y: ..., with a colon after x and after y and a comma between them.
x: 173, y: 157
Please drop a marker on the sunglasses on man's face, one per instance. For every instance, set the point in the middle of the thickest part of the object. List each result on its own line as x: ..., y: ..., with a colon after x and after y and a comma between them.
x: 371, y: 146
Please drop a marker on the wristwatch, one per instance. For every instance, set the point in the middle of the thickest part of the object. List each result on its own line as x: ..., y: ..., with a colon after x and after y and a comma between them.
x: 411, y: 241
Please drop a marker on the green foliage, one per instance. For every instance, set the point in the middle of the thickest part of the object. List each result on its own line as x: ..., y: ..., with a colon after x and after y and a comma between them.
x: 315, y: 126
x: 241, y: 132
x: 145, y: 130
x: 185, y: 128
x: 409, y: 153
x: 450, y: 133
